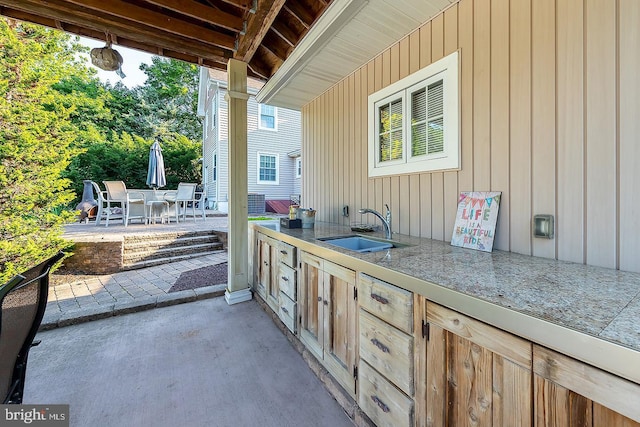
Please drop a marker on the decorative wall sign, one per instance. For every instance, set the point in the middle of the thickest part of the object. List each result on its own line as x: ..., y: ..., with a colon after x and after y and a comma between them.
x: 476, y: 219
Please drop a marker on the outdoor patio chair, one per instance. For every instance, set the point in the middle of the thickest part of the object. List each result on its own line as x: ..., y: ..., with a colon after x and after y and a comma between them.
x: 118, y: 194
x: 101, y: 198
x: 181, y: 199
x: 23, y: 300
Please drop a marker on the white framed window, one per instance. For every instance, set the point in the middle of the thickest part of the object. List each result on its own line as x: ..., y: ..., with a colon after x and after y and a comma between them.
x: 215, y: 167
x: 267, y: 117
x: 213, y: 113
x: 414, y: 123
x: 268, y: 170
x: 298, y: 167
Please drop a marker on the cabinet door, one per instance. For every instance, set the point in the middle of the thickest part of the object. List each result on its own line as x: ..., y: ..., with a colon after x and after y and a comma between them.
x: 267, y: 286
x: 572, y: 393
x: 273, y: 286
x: 475, y: 374
x: 262, y: 266
x: 340, y: 311
x: 310, y: 301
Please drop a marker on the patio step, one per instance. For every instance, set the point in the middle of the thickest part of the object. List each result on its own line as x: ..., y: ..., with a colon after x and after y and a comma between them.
x: 140, y: 251
x: 154, y: 253
x: 159, y: 261
x: 136, y: 246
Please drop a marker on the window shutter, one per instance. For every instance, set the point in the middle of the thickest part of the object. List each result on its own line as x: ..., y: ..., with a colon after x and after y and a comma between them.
x: 435, y: 118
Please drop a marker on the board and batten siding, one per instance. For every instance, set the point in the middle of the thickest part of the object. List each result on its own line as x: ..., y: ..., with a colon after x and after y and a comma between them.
x: 549, y: 116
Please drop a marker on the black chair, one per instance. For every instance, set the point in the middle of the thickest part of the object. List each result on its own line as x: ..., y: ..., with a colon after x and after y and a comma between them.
x: 23, y: 300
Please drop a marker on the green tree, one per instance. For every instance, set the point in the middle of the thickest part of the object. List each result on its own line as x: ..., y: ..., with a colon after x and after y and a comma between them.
x: 171, y: 94
x: 118, y: 128
x: 129, y: 111
x: 181, y: 159
x: 36, y: 142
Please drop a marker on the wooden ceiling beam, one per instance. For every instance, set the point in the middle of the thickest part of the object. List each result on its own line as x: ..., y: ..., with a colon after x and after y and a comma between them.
x: 242, y: 4
x: 300, y: 12
x: 257, y: 27
x: 140, y: 15
x: 99, y: 35
x: 66, y: 14
x: 203, y: 13
x: 260, y: 68
x: 276, y: 45
x: 284, y: 31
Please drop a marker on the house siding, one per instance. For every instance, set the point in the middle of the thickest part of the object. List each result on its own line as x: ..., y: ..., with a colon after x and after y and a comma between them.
x: 210, y: 143
x: 548, y: 115
x: 287, y: 138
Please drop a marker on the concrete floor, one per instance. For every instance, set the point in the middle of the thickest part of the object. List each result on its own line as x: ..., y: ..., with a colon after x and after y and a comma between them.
x: 202, y: 363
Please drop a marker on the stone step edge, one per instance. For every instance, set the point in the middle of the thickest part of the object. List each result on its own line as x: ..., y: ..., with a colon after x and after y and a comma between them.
x: 182, y: 250
x: 73, y: 317
x: 154, y: 262
x: 168, y: 235
x: 168, y: 243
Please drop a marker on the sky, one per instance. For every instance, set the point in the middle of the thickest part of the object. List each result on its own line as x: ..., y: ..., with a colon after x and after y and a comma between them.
x: 130, y: 65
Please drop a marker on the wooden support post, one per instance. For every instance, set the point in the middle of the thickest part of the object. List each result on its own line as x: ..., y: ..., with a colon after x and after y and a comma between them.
x: 236, y: 97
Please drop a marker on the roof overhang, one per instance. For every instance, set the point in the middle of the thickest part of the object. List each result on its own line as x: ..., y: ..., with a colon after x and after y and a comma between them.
x: 349, y: 34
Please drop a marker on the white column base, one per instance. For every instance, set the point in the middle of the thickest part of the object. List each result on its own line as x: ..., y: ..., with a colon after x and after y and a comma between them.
x: 236, y: 297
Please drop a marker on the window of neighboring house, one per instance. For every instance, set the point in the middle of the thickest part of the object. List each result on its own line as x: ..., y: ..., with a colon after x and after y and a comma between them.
x: 268, y: 168
x: 215, y: 167
x: 213, y: 113
x: 268, y: 116
x: 298, y: 167
x: 413, y: 123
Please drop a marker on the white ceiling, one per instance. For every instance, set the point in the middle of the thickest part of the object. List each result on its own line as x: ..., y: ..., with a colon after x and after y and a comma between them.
x: 348, y: 35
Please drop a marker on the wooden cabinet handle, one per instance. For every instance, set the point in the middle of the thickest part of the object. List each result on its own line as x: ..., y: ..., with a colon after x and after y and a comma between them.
x: 285, y: 278
x: 285, y: 310
x: 380, y: 299
x: 283, y: 252
x: 326, y: 302
x: 266, y: 263
x: 383, y: 348
x: 380, y: 403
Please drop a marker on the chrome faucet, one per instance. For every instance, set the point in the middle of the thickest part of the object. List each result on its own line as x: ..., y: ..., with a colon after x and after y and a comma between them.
x: 386, y: 222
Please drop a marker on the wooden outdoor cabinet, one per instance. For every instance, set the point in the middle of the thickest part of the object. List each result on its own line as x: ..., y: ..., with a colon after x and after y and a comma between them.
x: 267, y: 271
x: 420, y: 363
x: 386, y: 368
x: 470, y: 373
x: 571, y: 393
x: 287, y: 285
x: 328, y: 310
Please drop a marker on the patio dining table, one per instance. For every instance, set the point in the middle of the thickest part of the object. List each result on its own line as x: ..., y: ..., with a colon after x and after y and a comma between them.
x: 156, y: 207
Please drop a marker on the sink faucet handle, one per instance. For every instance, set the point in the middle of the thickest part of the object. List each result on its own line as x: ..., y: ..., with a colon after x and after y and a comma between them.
x: 388, y: 218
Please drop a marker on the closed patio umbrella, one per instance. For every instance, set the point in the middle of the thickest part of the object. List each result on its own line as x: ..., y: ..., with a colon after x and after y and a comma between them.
x: 155, y: 175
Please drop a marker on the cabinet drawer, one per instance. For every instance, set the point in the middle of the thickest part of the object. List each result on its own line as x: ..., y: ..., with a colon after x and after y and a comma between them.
x: 381, y: 401
x: 288, y: 312
x: 388, y: 350
x: 287, y: 254
x: 287, y: 281
x: 388, y: 302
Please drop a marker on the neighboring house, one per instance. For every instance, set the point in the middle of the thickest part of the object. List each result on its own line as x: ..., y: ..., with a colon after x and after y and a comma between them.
x: 274, y: 139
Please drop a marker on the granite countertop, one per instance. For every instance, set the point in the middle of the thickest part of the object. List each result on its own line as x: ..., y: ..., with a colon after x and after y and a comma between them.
x: 592, y: 301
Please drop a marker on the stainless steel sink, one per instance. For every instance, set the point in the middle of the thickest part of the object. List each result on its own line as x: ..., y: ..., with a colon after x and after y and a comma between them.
x: 357, y: 243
